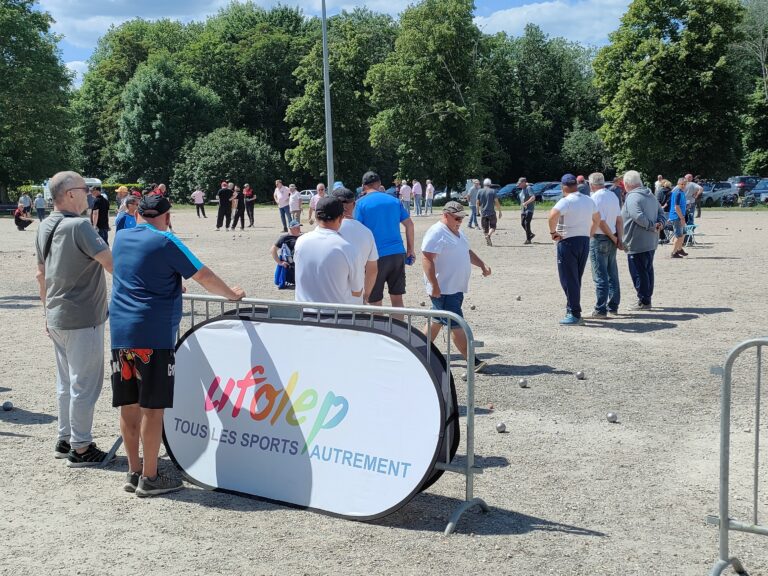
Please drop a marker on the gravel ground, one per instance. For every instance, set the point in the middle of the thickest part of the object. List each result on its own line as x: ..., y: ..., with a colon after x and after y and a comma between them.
x: 569, y: 492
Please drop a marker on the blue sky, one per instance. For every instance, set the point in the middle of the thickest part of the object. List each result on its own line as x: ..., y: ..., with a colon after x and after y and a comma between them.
x: 81, y: 22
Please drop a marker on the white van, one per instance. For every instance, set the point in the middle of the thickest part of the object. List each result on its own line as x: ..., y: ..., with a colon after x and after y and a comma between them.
x: 47, y: 192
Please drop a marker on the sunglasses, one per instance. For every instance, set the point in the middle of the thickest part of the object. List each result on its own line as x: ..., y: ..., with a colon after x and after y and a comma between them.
x: 457, y: 218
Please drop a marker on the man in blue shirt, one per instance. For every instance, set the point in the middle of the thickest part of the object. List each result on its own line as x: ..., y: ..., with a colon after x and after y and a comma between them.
x: 144, y: 316
x: 127, y: 218
x: 677, y: 206
x: 382, y: 214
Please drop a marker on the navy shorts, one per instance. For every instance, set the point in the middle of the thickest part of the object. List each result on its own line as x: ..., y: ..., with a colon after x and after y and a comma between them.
x: 449, y: 303
x: 679, y: 228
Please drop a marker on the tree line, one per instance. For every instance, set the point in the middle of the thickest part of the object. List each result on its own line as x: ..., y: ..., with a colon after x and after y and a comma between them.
x: 682, y: 86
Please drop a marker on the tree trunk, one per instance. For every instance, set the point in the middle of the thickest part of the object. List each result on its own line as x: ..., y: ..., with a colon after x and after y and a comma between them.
x: 4, y: 194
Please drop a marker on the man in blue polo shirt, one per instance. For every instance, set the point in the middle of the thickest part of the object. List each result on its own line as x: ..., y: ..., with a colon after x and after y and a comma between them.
x: 382, y: 214
x: 144, y: 316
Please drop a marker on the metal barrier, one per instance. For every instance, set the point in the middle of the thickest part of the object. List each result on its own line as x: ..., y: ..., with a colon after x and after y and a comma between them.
x: 724, y: 521
x: 198, y: 308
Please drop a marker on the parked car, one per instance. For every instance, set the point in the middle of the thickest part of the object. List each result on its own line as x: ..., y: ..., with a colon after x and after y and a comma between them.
x: 745, y: 184
x: 510, y: 191
x: 553, y: 194
x: 539, y: 188
x: 306, y: 196
x: 442, y: 197
x: 715, y: 192
x: 760, y: 191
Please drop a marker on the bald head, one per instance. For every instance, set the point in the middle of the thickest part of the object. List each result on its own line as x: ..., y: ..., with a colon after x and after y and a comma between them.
x: 63, y: 181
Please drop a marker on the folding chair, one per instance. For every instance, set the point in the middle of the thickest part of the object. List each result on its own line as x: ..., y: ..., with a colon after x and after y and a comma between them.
x: 690, y: 230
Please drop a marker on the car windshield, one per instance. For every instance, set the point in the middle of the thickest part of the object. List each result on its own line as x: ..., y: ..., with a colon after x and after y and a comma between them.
x: 762, y: 185
x: 708, y: 186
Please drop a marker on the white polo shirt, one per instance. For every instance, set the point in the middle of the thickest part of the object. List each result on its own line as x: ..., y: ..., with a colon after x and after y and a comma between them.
x: 452, y: 265
x: 575, y: 215
x: 363, y: 242
x: 325, y: 268
x: 608, y: 205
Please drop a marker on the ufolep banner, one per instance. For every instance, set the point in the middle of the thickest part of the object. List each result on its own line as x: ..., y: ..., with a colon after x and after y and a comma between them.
x: 340, y: 419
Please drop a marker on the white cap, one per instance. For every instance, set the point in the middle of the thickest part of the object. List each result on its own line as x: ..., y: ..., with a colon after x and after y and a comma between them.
x: 487, y: 182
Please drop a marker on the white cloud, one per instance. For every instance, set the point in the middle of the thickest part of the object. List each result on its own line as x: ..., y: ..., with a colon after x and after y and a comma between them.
x: 585, y: 21
x: 79, y: 68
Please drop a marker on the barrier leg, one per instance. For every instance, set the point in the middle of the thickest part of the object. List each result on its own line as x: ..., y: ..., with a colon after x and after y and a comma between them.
x: 721, y: 565
x: 112, y: 452
x: 463, y: 507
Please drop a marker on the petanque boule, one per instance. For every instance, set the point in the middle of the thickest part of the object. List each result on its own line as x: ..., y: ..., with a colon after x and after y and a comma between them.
x: 472, y: 307
x: 501, y: 427
x: 519, y: 298
x: 580, y: 375
x: 7, y: 405
x: 612, y: 417
x: 423, y: 304
x: 523, y: 383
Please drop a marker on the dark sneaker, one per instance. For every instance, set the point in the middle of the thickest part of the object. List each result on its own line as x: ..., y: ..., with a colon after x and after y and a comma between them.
x: 61, y: 450
x: 676, y: 255
x: 640, y: 306
x: 488, y: 240
x: 527, y: 242
x: 158, y: 485
x: 131, y: 481
x: 480, y: 365
x: 682, y: 252
x: 91, y: 457
x: 613, y: 312
x: 533, y: 236
x: 598, y: 314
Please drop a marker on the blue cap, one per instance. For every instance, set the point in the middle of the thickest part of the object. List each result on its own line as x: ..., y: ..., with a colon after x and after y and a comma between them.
x: 568, y: 180
x: 337, y: 185
x: 294, y: 224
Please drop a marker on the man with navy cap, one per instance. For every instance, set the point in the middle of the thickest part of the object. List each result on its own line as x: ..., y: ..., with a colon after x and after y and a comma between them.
x: 572, y: 222
x: 144, y: 316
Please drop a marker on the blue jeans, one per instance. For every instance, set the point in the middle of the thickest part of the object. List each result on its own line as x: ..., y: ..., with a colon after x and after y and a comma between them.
x: 641, y: 270
x: 572, y: 256
x: 407, y: 205
x: 104, y: 233
x: 285, y: 216
x: 473, y: 215
x: 428, y: 206
x: 605, y: 273
x: 417, y: 204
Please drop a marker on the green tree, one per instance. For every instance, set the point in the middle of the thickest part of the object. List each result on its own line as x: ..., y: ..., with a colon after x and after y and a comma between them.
x: 34, y: 116
x: 756, y: 133
x: 425, y: 91
x: 226, y: 153
x: 357, y: 41
x: 667, y: 88
x: 98, y: 104
x: 584, y: 152
x: 161, y: 111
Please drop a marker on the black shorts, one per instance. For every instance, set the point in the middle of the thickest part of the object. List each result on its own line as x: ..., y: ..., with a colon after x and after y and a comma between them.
x: 392, y: 272
x: 488, y: 222
x: 143, y: 376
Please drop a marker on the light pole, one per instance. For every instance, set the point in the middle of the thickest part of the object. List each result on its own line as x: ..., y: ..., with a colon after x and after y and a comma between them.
x: 327, y: 90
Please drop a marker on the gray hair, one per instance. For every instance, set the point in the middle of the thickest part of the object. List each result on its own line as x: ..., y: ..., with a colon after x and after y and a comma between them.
x: 632, y: 178
x: 131, y: 200
x: 487, y: 182
x: 597, y: 179
x: 61, y: 182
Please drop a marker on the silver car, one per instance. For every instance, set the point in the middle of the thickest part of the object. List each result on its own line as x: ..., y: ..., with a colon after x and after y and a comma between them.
x: 714, y: 192
x: 760, y: 191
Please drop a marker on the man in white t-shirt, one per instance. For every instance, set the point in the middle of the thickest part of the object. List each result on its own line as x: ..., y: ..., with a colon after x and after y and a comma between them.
x: 603, y: 247
x: 320, y: 193
x: 447, y: 262
x: 363, y: 241
x: 282, y: 198
x: 326, y: 263
x: 428, y: 197
x: 198, y: 198
x: 405, y: 195
x: 572, y: 222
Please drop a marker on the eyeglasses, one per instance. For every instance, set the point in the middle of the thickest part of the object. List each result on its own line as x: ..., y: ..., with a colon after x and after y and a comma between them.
x: 457, y: 218
x: 83, y: 188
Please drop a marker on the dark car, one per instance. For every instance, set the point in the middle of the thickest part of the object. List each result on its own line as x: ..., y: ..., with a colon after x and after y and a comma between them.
x: 510, y: 191
x: 539, y: 188
x: 744, y: 183
x: 760, y: 191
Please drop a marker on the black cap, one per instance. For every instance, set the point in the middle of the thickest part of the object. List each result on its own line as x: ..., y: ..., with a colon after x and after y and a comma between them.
x: 370, y: 178
x: 329, y: 208
x: 343, y: 194
x: 153, y: 205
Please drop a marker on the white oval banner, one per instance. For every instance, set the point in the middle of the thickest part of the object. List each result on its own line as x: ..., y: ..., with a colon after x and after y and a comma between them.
x: 340, y: 419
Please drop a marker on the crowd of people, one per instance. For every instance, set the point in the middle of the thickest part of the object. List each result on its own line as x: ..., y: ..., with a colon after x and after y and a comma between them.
x: 360, y: 246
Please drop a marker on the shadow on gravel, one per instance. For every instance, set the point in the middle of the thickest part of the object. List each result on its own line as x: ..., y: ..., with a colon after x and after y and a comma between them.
x: 483, y: 461
x: 3, y: 389
x: 695, y: 310
x: 666, y: 317
x: 636, y: 327
x: 716, y: 258
x: 21, y: 416
x: 429, y: 513
x: 17, y: 302
x: 530, y: 370
x: 478, y: 411
x: 221, y: 500
x: 15, y: 435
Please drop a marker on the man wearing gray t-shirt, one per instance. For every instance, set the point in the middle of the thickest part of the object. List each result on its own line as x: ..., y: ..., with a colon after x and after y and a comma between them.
x: 71, y: 259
